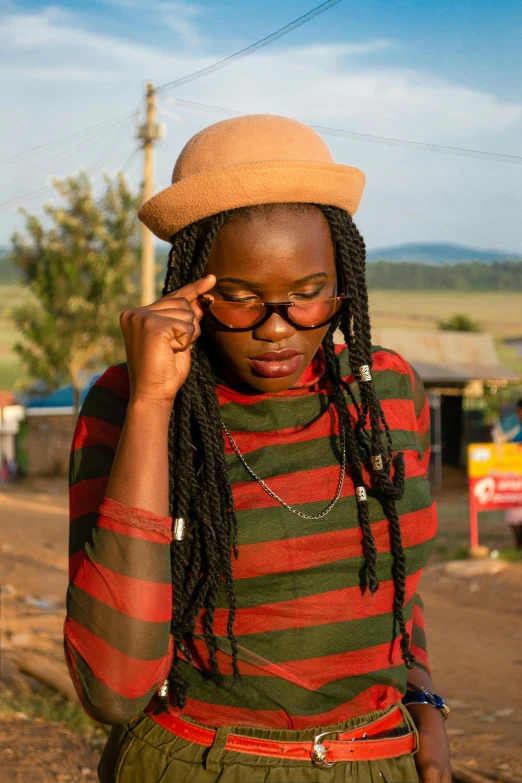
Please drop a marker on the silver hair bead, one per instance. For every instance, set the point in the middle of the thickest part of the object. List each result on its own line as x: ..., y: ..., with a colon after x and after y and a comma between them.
x: 179, y: 529
x: 377, y: 462
x: 364, y: 373
x: 361, y: 495
x: 163, y: 692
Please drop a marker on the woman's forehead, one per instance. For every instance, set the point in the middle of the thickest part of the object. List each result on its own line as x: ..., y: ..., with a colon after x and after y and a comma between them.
x: 276, y: 242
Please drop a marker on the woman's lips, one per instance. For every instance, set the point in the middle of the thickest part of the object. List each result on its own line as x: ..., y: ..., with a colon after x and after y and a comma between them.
x: 276, y: 364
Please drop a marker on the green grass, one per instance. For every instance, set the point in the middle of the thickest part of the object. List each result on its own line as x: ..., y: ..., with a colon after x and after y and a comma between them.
x: 510, y: 555
x: 452, y: 540
x: 51, y: 707
x: 509, y: 357
x: 497, y: 312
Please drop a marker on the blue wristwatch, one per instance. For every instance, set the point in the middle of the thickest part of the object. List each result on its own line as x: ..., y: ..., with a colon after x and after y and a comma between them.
x: 415, y: 695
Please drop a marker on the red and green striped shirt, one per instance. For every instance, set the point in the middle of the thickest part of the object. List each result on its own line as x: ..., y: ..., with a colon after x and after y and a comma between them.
x: 314, y: 648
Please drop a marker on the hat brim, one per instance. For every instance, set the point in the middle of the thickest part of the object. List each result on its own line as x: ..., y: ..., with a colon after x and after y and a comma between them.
x: 247, y: 184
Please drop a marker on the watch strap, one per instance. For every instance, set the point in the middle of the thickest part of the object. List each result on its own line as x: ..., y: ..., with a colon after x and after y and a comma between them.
x: 415, y: 695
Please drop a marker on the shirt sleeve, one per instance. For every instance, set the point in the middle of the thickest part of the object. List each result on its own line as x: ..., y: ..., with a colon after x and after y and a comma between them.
x: 117, y: 640
x: 422, y: 413
x: 419, y: 646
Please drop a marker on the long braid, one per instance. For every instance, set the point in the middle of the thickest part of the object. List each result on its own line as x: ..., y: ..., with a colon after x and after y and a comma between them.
x: 199, y: 489
x: 355, y: 326
x: 202, y: 559
x: 354, y: 458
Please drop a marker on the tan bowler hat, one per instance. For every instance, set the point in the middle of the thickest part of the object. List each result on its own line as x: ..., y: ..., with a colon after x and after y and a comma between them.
x: 256, y: 159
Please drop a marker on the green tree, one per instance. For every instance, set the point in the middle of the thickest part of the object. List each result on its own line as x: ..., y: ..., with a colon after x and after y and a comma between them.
x: 460, y: 322
x: 80, y: 268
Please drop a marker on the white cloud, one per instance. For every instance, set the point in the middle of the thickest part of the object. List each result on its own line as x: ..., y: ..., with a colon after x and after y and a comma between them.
x: 337, y: 85
x: 57, y: 74
x: 322, y: 85
x: 180, y: 17
x: 53, y: 32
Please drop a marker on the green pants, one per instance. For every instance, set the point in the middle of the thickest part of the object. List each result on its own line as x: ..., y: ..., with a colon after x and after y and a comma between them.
x: 144, y: 752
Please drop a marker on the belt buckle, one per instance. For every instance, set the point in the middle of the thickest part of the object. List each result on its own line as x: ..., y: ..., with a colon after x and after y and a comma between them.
x: 319, y: 751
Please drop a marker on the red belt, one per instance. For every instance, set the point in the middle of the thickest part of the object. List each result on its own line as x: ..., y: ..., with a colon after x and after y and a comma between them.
x: 349, y: 745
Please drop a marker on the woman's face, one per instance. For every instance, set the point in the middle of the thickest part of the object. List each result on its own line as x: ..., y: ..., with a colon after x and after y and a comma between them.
x: 275, y: 255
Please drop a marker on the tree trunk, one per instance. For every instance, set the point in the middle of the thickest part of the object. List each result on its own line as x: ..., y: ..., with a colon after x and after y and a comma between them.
x: 76, y: 400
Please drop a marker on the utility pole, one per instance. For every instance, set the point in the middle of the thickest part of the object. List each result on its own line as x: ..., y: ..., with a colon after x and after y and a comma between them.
x: 148, y: 133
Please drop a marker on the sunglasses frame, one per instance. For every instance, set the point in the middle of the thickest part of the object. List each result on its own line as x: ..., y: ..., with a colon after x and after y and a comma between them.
x: 281, y: 308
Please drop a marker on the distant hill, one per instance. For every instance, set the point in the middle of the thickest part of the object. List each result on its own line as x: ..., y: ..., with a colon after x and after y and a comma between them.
x: 464, y: 276
x: 409, y: 266
x: 439, y: 253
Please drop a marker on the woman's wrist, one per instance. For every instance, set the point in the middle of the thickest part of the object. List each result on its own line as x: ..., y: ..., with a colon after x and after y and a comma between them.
x: 139, y: 404
x: 425, y: 716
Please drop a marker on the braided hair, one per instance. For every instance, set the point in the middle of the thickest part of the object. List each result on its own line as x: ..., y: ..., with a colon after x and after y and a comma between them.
x: 199, y: 489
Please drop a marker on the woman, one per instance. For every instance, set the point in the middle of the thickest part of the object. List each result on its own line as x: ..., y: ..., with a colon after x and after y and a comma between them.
x: 232, y: 629
x: 509, y: 430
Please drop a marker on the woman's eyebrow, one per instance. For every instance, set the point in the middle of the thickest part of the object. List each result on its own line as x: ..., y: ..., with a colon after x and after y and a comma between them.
x: 254, y: 285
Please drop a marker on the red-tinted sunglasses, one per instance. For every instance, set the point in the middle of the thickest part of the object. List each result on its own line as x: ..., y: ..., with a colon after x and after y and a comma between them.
x: 244, y: 316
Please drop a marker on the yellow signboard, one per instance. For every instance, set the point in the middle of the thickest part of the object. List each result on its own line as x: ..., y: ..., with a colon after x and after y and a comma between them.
x: 495, y: 480
x: 489, y: 459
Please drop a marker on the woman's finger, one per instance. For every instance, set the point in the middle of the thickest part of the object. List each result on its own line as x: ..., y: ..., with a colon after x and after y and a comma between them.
x: 191, y: 291
x: 181, y: 314
x: 181, y: 334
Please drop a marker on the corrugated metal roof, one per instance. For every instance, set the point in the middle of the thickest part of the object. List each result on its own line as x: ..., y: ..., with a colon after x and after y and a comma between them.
x: 440, y: 347
x: 446, y: 357
x: 61, y: 398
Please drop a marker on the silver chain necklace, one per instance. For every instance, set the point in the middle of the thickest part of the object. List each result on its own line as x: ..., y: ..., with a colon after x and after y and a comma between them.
x: 280, y: 500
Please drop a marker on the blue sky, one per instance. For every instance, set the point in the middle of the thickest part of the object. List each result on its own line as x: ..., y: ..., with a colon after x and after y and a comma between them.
x: 436, y: 72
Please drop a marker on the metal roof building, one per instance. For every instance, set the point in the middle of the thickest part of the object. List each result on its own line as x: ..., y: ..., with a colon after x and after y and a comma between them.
x: 453, y: 366
x: 447, y: 358
x: 56, y: 403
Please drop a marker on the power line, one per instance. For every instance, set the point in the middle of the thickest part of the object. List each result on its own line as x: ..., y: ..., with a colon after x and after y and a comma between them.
x: 195, y: 75
x: 64, y: 138
x: 436, y: 222
x: 34, y: 193
x: 106, y: 148
x: 417, y: 145
x: 420, y: 145
x: 131, y: 157
x: 26, y: 197
x: 62, y: 154
x: 499, y: 157
x: 252, y: 48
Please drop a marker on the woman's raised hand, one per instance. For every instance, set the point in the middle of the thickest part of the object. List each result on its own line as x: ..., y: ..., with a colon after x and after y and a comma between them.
x: 157, y: 338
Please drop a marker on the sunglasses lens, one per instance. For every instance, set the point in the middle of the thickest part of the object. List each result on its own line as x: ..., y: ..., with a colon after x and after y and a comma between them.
x: 237, y: 315
x: 314, y: 313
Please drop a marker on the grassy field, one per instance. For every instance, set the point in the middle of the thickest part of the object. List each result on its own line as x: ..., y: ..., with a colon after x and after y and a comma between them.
x: 497, y: 312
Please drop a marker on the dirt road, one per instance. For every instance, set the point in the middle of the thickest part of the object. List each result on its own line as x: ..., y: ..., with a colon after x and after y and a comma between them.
x: 474, y: 630
x: 473, y: 623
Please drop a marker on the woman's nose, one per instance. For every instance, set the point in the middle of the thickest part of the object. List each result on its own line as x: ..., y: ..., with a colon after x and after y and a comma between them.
x: 274, y: 330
